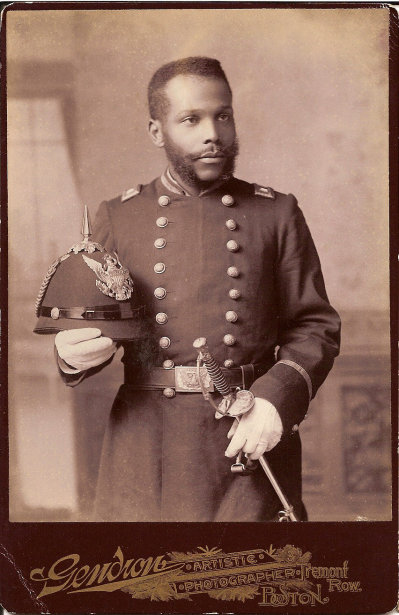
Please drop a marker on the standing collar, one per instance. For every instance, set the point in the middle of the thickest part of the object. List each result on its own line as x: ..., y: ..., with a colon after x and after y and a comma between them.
x: 173, y: 185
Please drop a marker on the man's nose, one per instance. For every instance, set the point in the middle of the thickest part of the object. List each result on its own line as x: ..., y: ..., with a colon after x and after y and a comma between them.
x: 210, y: 131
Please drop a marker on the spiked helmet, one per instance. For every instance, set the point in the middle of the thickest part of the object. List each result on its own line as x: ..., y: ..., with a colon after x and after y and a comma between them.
x: 88, y: 287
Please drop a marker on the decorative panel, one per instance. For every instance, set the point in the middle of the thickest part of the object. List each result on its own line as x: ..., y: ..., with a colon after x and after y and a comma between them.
x: 366, y: 438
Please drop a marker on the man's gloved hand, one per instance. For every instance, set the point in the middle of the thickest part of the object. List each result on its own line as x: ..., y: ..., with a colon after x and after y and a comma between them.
x: 258, y: 431
x: 83, y: 348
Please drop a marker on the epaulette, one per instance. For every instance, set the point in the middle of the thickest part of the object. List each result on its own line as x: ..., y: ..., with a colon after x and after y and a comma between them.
x: 130, y: 193
x: 267, y: 193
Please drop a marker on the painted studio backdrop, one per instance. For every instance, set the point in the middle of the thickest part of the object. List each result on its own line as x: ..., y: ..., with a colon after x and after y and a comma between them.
x: 310, y: 96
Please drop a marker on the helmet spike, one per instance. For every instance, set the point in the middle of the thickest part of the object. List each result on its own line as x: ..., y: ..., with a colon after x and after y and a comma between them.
x: 86, y: 245
x: 86, y: 226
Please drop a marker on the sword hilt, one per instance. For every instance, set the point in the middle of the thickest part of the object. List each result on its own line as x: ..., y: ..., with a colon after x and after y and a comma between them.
x: 214, y: 370
x: 244, y: 400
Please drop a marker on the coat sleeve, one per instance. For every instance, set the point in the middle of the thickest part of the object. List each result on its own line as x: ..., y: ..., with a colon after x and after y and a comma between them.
x: 102, y: 233
x: 309, y: 328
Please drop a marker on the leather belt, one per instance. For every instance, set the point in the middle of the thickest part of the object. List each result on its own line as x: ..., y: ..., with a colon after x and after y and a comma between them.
x: 183, y: 379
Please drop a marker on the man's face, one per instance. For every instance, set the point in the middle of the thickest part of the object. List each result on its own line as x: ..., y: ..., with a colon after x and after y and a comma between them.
x: 198, y: 130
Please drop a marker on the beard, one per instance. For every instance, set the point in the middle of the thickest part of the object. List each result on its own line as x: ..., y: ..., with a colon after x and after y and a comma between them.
x: 183, y: 163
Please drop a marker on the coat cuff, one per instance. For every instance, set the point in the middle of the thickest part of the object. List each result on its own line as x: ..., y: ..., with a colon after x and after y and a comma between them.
x: 287, y: 389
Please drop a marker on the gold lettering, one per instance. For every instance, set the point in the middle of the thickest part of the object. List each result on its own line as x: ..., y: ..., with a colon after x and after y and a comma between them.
x: 119, y: 565
x: 126, y: 570
x: 79, y: 578
x: 160, y: 564
x: 37, y: 574
x: 317, y: 597
x: 54, y: 574
x: 94, y: 574
x: 137, y: 567
x: 103, y: 573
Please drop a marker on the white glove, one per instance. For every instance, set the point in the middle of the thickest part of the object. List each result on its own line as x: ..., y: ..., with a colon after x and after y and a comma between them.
x: 83, y: 348
x: 258, y: 431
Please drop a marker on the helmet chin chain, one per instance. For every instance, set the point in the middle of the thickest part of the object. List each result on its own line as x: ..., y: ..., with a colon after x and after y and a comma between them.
x: 243, y: 401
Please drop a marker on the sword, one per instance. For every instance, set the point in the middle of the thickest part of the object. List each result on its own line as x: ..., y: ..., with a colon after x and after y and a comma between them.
x: 244, y: 401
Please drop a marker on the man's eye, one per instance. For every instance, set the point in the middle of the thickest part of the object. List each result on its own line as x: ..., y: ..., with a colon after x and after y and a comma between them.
x: 224, y: 117
x: 190, y: 120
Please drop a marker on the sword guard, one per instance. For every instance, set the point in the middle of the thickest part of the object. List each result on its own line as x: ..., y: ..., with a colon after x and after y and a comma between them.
x: 243, y: 402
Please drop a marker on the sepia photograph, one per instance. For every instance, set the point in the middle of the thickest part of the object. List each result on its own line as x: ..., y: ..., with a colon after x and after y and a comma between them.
x: 200, y: 203
x: 198, y: 223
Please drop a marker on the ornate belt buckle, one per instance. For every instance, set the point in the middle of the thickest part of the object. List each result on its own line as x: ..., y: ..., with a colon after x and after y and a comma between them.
x: 186, y: 379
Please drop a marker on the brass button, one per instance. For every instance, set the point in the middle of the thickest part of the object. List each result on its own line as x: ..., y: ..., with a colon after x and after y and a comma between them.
x: 228, y: 363
x: 169, y: 392
x: 160, y: 243
x: 295, y: 428
x: 234, y: 293
x: 55, y: 313
x: 164, y: 342
x: 231, y: 316
x: 162, y: 222
x: 160, y: 293
x: 164, y: 200
x: 231, y: 245
x: 233, y: 272
x: 231, y: 225
x: 168, y: 364
x: 229, y: 339
x: 227, y: 200
x: 161, y: 318
x: 159, y: 267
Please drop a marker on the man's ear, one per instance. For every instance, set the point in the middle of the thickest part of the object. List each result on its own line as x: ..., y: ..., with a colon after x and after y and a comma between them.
x: 156, y: 133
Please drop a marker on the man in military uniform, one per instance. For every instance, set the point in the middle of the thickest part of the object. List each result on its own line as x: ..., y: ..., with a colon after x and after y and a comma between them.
x: 211, y: 256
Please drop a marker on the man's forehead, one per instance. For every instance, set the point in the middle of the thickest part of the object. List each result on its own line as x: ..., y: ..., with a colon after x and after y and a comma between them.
x: 184, y: 89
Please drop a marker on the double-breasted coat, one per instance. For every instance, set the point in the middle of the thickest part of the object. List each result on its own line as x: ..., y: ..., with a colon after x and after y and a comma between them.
x: 238, y: 266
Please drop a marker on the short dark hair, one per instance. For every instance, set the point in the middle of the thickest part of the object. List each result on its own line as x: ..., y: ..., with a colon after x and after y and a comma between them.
x: 195, y: 65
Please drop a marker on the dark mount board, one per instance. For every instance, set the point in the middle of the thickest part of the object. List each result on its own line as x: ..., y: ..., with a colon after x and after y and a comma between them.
x: 76, y: 566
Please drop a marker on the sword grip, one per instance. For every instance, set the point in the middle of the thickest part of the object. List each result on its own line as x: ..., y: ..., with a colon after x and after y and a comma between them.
x: 213, y: 368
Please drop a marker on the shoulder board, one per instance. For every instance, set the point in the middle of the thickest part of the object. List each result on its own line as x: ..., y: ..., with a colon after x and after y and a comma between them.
x: 267, y: 193
x: 130, y: 193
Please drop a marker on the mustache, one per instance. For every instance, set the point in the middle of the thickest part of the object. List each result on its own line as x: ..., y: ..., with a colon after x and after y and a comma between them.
x: 218, y: 152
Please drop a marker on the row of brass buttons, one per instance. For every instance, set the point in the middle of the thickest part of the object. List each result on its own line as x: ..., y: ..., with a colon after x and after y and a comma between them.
x: 227, y: 200
x: 233, y: 272
x: 160, y: 292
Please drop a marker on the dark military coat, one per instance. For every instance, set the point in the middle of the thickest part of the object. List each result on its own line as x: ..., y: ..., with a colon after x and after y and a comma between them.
x: 163, y: 458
